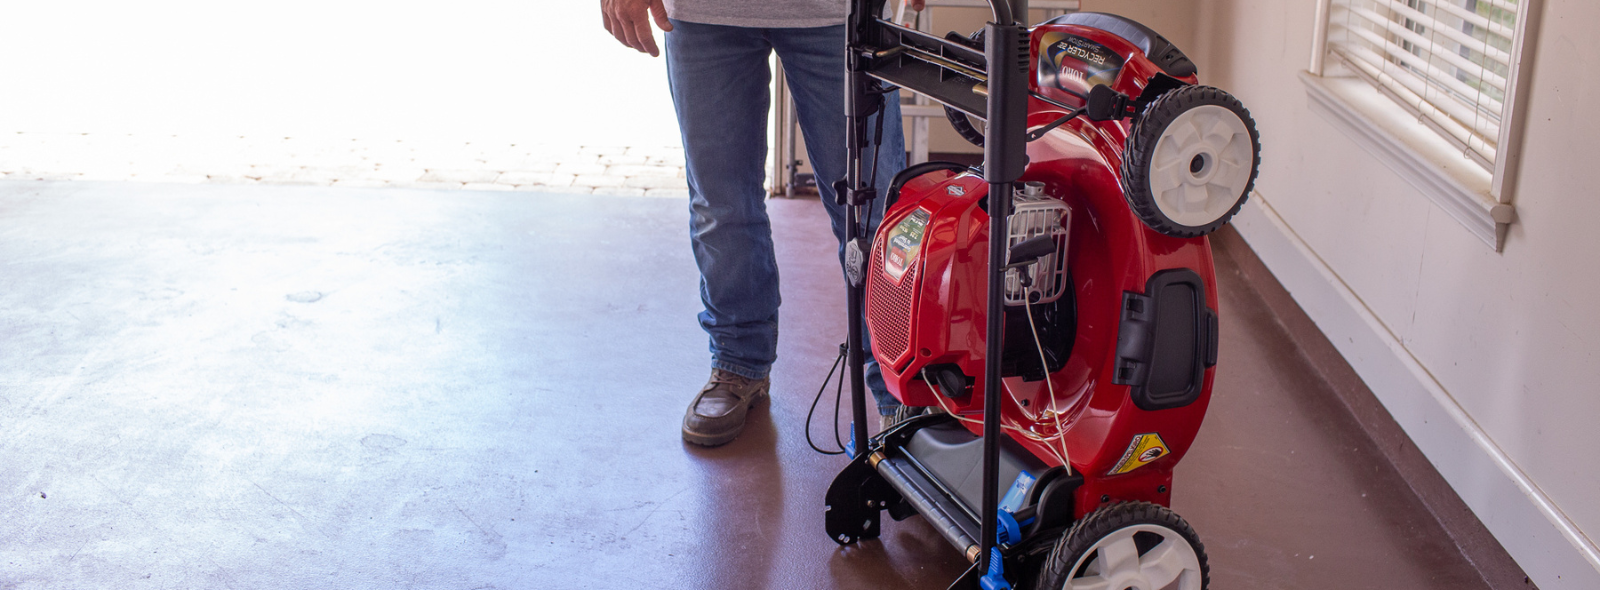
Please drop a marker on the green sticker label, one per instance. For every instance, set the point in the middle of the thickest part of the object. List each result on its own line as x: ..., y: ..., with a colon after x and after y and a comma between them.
x: 905, y: 243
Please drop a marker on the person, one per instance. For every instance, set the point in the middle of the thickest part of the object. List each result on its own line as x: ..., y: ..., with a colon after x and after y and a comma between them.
x: 717, y: 66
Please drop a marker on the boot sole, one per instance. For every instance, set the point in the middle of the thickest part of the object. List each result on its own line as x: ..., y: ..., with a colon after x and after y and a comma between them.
x: 719, y: 439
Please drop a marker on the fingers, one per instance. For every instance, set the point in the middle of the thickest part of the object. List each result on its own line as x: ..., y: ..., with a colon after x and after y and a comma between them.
x: 613, y: 23
x: 630, y: 25
x: 631, y: 38
x: 645, y: 38
x: 918, y: 5
x: 659, y: 11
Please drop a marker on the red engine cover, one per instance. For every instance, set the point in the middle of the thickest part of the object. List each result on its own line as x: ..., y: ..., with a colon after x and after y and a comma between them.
x: 927, y: 305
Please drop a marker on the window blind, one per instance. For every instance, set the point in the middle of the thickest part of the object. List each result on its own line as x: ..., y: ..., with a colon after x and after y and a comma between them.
x: 1447, y: 61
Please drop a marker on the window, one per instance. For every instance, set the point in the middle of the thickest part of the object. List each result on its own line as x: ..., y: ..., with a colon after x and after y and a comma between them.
x: 1448, y: 65
x: 1448, y: 61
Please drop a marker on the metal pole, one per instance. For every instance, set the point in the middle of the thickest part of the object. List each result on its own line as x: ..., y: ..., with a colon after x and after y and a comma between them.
x: 855, y: 87
x: 1004, y: 157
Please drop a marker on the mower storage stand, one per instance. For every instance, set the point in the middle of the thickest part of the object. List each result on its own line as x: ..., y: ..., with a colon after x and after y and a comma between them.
x: 882, y: 474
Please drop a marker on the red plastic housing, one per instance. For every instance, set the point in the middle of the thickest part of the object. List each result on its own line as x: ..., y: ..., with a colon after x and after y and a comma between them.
x: 935, y: 312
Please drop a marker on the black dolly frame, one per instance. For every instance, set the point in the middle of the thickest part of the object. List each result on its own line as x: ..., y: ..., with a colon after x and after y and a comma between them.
x: 991, y: 85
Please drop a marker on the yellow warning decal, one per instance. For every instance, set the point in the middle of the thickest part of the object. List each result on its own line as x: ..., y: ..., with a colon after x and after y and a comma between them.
x: 1144, y: 449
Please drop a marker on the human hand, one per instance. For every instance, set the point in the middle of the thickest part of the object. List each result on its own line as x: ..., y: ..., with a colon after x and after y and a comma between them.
x: 629, y: 22
x: 918, y: 5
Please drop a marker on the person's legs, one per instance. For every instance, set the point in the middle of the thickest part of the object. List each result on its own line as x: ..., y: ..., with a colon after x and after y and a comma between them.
x: 813, y: 63
x: 720, y: 87
x: 719, y: 78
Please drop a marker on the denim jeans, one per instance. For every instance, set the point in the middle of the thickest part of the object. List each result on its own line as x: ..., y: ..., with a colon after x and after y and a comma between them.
x: 721, y: 82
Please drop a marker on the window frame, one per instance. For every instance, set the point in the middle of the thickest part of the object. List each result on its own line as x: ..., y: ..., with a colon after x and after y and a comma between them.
x: 1480, y: 198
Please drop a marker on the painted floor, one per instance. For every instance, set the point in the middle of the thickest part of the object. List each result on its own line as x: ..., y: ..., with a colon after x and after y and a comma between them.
x: 268, y: 387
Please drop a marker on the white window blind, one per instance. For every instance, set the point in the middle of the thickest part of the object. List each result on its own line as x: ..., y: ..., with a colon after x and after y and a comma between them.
x: 1448, y: 61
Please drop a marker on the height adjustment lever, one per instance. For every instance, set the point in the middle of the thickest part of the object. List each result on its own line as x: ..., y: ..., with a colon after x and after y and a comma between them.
x: 1105, y: 104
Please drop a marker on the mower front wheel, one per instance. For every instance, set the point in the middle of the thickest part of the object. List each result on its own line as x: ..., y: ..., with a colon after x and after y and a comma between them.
x: 1129, y: 545
x: 1191, y: 161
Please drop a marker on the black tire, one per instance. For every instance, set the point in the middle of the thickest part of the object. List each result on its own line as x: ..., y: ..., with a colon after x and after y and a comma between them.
x: 1140, y: 152
x: 1069, y: 560
x: 958, y: 120
x: 964, y: 126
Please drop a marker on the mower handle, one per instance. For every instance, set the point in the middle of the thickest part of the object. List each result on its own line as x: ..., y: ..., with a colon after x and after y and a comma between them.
x: 1002, y: 10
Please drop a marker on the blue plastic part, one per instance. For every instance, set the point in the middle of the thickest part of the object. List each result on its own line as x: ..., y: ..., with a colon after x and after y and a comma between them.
x: 996, y: 578
x: 1006, y: 533
x: 1009, y: 531
x: 850, y: 449
x: 1018, y: 493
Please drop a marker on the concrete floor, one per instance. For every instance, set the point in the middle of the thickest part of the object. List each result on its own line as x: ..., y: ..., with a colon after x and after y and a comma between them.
x: 298, y: 387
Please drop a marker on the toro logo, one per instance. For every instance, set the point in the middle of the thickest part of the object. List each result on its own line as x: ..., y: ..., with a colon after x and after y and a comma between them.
x: 1151, y: 454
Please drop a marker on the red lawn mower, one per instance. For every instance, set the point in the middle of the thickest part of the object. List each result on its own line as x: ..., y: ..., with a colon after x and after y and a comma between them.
x: 1054, y: 310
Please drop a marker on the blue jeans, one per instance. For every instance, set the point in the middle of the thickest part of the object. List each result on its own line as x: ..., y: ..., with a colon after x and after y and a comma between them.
x: 721, y: 89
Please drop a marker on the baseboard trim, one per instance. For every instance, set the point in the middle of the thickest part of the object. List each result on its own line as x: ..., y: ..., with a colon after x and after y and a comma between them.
x: 1532, y: 530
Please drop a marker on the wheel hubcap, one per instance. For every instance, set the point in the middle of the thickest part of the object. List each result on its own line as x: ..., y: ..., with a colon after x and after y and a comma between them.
x: 1201, y: 165
x: 1115, y: 562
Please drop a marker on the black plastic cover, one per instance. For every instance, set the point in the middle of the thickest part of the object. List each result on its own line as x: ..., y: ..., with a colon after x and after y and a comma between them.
x: 944, y: 84
x: 1166, y: 340
x: 953, y: 456
x: 892, y: 196
x: 1005, y: 144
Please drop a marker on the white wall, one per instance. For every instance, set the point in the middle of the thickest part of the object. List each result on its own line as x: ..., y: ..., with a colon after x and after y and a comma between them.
x: 1489, y: 360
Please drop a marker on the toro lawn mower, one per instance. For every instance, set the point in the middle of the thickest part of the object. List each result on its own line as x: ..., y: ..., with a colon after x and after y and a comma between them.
x: 1054, y: 310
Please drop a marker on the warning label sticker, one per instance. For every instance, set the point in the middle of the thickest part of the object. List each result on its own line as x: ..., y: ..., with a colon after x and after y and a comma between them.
x: 905, y: 242
x: 1144, y: 449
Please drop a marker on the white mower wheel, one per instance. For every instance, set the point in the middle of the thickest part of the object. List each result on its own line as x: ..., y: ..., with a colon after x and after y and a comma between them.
x: 1128, y: 546
x: 1191, y: 161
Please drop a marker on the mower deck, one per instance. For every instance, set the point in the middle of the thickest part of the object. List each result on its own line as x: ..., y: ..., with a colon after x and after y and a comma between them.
x: 931, y: 465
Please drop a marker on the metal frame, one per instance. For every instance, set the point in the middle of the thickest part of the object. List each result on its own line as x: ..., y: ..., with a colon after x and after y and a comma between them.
x: 950, y: 73
x: 787, y: 161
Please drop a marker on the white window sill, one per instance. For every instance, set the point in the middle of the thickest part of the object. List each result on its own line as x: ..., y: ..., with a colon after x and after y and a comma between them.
x: 1435, y: 167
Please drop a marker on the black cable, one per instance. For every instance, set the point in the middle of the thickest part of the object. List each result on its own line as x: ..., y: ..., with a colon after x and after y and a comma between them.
x: 836, y: 397
x: 1038, y: 133
x: 877, y: 142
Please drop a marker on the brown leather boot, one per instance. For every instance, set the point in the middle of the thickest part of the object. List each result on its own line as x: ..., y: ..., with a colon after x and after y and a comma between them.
x: 901, y: 414
x: 716, y: 416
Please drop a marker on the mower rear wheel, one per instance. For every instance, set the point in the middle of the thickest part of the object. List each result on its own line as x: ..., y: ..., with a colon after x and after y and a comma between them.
x: 1191, y: 161
x: 1135, y: 545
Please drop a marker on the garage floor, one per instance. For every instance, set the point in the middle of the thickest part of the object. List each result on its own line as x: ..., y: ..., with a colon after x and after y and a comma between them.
x: 297, y: 387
